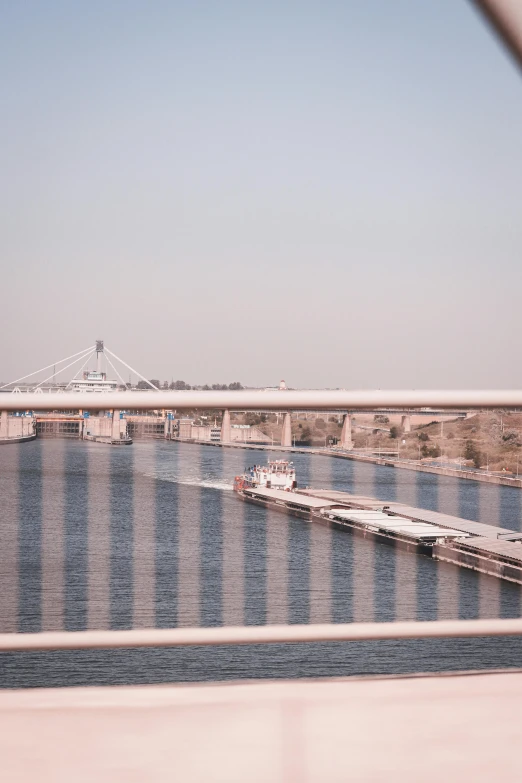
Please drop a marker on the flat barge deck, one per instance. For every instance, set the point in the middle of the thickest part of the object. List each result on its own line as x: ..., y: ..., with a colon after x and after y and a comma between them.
x: 375, y: 523
x: 489, y: 549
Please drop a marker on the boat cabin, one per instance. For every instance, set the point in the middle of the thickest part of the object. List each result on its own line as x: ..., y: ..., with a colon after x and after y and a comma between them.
x: 277, y: 474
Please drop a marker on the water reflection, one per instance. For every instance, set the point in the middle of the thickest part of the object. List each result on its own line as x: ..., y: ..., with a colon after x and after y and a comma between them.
x: 211, y: 541
x: 9, y: 537
x: 53, y: 539
x: 94, y: 537
x: 121, y: 538
x: 233, y: 541
x: 161, y: 475
x: 406, y: 585
x: 189, y: 561
x: 144, y: 543
x: 30, y: 538
x: 276, y: 569
x: 87, y: 543
x: 94, y: 515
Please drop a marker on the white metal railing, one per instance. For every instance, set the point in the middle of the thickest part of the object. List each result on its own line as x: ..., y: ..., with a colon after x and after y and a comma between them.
x: 267, y: 634
x: 330, y: 400
x: 503, y: 15
x: 262, y: 634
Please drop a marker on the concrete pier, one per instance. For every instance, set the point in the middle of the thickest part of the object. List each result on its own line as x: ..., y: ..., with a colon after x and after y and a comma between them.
x: 406, y: 423
x: 143, y: 426
x: 16, y: 429
x: 4, y: 425
x: 286, y: 435
x: 107, y: 428
x: 346, y: 433
x: 115, y: 434
x: 225, y: 427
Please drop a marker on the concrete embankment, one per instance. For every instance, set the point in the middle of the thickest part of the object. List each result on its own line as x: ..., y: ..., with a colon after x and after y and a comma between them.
x: 488, y: 478
x: 16, y: 439
x: 469, y: 475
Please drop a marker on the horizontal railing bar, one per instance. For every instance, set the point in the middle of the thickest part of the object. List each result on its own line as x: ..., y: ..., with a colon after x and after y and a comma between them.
x: 264, y: 634
x: 329, y: 400
x: 505, y: 18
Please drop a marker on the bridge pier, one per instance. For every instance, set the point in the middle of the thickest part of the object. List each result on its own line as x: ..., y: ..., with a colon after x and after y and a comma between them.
x: 4, y: 425
x: 286, y: 435
x: 115, y: 435
x: 346, y: 432
x: 225, y: 427
x: 406, y: 423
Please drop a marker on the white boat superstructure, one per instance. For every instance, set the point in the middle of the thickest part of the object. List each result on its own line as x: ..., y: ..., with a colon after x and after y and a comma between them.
x: 94, y: 381
x: 277, y: 474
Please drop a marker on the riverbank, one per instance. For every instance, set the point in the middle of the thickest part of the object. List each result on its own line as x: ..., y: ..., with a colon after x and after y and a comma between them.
x: 469, y: 475
x: 17, y: 439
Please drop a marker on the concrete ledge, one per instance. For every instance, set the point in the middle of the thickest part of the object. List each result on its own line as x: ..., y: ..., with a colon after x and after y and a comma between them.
x: 422, y: 728
x: 20, y: 439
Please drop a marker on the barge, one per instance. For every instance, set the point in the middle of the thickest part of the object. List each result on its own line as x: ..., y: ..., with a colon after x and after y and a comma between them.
x: 489, y: 549
x: 274, y: 486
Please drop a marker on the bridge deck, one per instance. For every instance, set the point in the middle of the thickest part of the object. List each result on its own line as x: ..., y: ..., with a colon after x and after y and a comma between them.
x: 406, y: 729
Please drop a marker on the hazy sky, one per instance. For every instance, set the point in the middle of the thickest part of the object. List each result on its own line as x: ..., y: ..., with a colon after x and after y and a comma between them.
x: 327, y: 192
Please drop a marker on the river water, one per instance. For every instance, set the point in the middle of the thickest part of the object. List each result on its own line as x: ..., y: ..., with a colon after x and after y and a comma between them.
x: 152, y: 535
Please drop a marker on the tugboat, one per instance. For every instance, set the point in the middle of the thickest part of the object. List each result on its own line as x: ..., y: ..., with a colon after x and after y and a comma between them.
x: 274, y: 486
x: 278, y: 474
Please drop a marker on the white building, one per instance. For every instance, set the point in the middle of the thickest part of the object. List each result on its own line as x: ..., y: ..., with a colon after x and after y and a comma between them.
x: 94, y: 381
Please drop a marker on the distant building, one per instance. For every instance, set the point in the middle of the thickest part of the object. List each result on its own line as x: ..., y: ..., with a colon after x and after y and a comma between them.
x: 94, y: 381
x: 282, y: 387
x: 187, y: 430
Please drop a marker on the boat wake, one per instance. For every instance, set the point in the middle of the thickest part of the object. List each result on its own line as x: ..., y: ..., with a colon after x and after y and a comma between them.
x: 192, y: 481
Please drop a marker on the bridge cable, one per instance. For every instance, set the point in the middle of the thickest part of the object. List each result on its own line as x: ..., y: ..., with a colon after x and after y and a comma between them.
x: 53, y: 364
x: 116, y: 371
x: 131, y: 369
x: 81, y: 368
x: 62, y: 370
